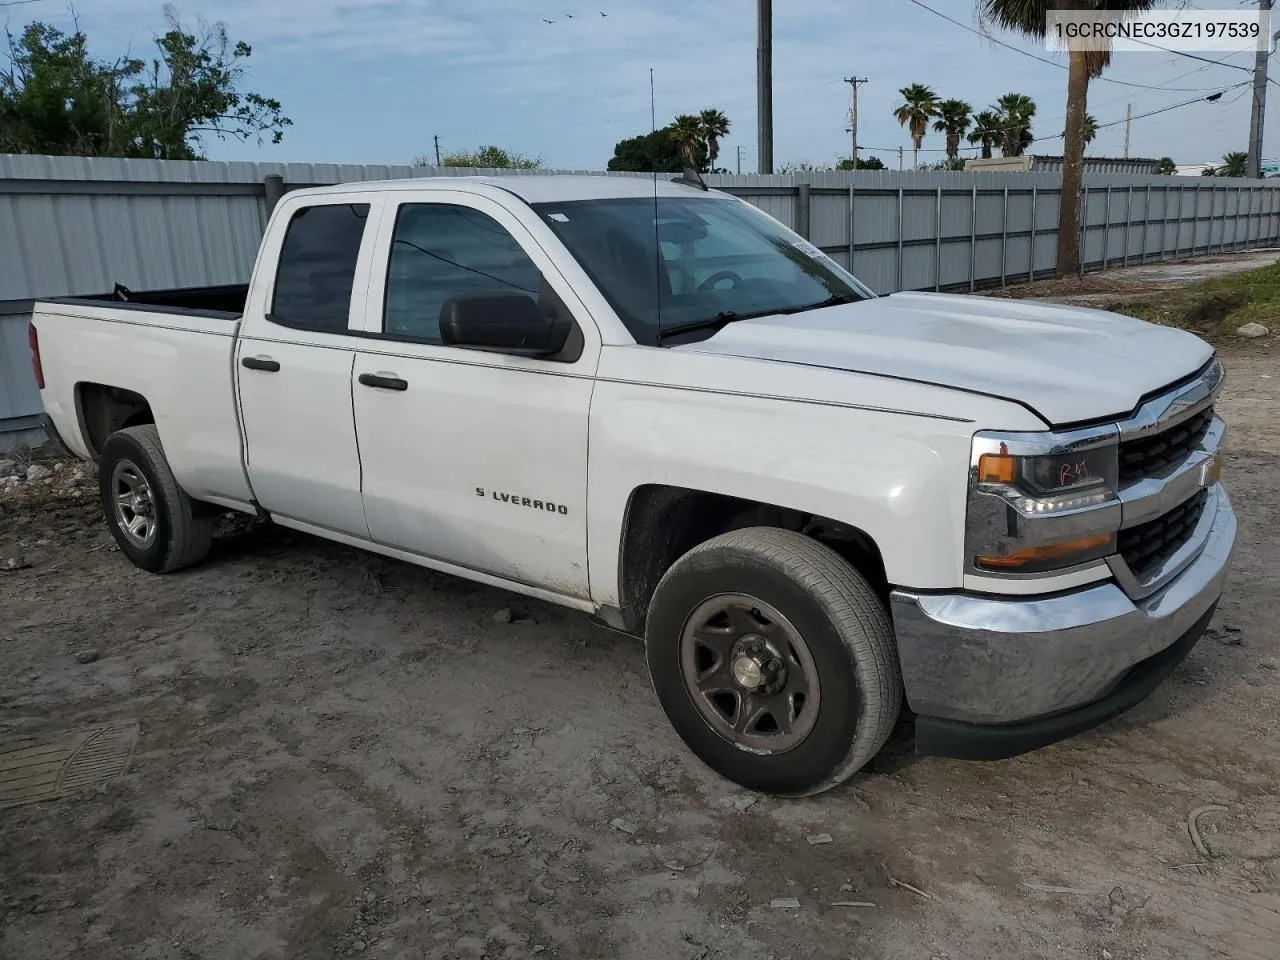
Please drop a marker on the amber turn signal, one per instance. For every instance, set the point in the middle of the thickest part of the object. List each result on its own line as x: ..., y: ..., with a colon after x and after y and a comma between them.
x: 997, y: 468
x: 1052, y: 555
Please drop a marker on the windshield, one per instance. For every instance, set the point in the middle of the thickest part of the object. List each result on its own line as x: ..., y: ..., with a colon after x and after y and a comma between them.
x: 719, y: 257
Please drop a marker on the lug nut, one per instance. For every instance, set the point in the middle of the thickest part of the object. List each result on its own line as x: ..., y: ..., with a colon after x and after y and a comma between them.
x: 775, y: 664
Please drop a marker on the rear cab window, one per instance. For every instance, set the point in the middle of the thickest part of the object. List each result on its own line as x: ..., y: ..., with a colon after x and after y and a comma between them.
x: 317, y: 267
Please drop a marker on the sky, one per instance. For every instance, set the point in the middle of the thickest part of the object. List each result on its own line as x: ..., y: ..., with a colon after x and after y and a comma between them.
x: 372, y: 81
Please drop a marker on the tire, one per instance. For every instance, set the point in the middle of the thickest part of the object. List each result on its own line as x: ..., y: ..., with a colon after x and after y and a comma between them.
x: 782, y: 586
x: 176, y: 532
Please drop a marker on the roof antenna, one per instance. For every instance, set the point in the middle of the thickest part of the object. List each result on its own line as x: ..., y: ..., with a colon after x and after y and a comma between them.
x: 653, y: 163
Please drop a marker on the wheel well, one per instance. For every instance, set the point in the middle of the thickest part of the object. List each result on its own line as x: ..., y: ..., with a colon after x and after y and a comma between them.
x: 105, y: 409
x: 663, y: 523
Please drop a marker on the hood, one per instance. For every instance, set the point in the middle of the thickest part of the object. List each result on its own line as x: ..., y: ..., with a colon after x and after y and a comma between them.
x: 1069, y: 364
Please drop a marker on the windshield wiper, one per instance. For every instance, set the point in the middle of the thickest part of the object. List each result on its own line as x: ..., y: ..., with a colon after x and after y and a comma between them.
x: 711, y: 323
x: 725, y: 317
x: 832, y: 301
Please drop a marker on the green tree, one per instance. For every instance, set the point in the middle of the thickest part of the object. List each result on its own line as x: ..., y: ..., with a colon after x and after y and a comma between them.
x: 1028, y: 17
x: 715, y: 126
x: 919, y: 106
x: 987, y: 131
x: 1166, y: 167
x: 1015, y: 111
x: 1233, y: 164
x: 648, y: 153
x: 687, y: 132
x: 864, y: 163
x: 56, y: 98
x: 1090, y: 129
x: 488, y: 157
x: 954, y: 119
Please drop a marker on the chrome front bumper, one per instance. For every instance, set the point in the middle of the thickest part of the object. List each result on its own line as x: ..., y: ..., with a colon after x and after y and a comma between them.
x: 979, y: 660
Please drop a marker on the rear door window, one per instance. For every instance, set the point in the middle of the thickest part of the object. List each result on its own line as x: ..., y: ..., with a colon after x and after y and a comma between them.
x: 318, y: 266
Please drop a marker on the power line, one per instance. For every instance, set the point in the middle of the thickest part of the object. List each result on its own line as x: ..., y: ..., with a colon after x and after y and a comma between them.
x: 1054, y: 63
x: 1152, y: 113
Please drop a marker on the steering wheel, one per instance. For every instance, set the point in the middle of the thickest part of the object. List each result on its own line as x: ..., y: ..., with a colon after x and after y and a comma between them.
x: 715, y: 278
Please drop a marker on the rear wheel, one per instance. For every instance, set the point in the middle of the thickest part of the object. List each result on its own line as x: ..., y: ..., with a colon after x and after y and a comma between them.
x: 154, y: 522
x: 774, y: 660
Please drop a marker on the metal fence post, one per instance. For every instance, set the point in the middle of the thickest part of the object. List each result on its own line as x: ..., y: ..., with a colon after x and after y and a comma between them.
x: 852, y: 221
x: 1004, y: 237
x: 273, y: 187
x: 803, y: 199
x: 973, y: 238
x: 900, y: 232
x: 1195, y: 222
x: 1146, y: 223
x: 937, y: 240
x: 1106, y: 226
x: 1031, y: 253
x: 1084, y: 221
x: 1128, y: 224
x: 1177, y: 228
x: 1248, y: 217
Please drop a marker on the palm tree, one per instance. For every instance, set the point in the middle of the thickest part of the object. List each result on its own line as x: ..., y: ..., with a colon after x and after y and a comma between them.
x: 714, y: 126
x: 919, y: 106
x: 1233, y: 165
x: 687, y: 131
x: 1166, y: 167
x: 1090, y: 131
x: 987, y: 131
x: 1029, y: 17
x: 1015, y: 111
x: 954, y: 119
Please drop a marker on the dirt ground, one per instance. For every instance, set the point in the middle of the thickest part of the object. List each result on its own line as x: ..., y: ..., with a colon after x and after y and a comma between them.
x: 343, y: 755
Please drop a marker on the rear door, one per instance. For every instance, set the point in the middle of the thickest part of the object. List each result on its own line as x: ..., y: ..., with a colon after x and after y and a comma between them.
x: 474, y: 458
x: 294, y: 361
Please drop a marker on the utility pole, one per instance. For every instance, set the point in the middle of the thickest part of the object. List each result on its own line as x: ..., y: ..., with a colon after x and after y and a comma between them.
x: 436, y: 138
x: 853, y: 117
x: 739, y: 159
x: 899, y: 159
x: 1128, y: 121
x: 1254, y: 166
x: 764, y: 83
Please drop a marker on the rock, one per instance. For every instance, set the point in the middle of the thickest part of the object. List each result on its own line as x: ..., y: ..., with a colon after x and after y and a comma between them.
x: 1267, y: 664
x: 38, y: 472
x: 739, y: 804
x: 8, y: 468
x: 1227, y: 634
x: 503, y: 616
x: 819, y: 838
x: 624, y: 826
x: 1252, y: 331
x: 1106, y: 955
x: 59, y: 467
x: 538, y: 948
x: 86, y: 656
x: 15, y: 562
x: 525, y: 622
x: 358, y: 946
x: 784, y: 903
x: 470, y: 946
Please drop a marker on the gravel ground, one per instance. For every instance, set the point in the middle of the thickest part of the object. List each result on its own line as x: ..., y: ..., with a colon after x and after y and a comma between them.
x: 342, y: 755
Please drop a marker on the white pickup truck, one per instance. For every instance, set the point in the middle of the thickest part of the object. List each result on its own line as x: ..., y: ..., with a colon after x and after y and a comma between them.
x: 656, y: 404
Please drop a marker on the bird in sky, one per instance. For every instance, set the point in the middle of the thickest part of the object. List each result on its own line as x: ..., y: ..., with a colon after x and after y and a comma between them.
x: 545, y: 20
x: 603, y: 14
x: 569, y: 15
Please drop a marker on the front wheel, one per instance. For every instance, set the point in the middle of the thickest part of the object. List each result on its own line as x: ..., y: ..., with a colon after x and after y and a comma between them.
x: 154, y: 522
x: 774, y: 660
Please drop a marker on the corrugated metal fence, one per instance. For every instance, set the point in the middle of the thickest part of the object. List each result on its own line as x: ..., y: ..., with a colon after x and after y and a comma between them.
x: 71, y: 225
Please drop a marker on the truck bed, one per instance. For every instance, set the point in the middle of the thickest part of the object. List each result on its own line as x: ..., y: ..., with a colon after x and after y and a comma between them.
x: 226, y: 301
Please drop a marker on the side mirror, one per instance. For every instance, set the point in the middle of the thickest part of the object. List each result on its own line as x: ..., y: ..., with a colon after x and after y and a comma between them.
x: 504, y: 323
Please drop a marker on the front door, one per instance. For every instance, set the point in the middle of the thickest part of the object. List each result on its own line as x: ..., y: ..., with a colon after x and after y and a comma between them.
x: 477, y: 459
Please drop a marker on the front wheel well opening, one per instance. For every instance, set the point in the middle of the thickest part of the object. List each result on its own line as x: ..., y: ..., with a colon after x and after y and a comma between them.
x: 663, y: 523
x: 104, y: 409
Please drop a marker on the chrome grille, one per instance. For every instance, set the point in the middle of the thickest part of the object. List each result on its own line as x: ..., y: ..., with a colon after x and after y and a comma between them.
x: 1147, y: 546
x: 1153, y: 456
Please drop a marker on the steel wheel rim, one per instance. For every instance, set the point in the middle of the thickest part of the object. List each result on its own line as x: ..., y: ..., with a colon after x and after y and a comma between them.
x: 134, y: 504
x: 749, y: 673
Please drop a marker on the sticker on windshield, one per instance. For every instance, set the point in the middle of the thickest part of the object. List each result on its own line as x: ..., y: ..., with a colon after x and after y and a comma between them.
x: 805, y: 247
x: 558, y: 217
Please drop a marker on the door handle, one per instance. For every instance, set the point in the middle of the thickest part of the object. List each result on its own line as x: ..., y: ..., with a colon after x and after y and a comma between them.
x: 261, y: 363
x: 383, y: 382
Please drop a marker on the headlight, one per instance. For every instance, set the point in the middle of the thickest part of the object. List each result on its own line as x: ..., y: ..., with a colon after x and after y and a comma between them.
x: 1042, y: 503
